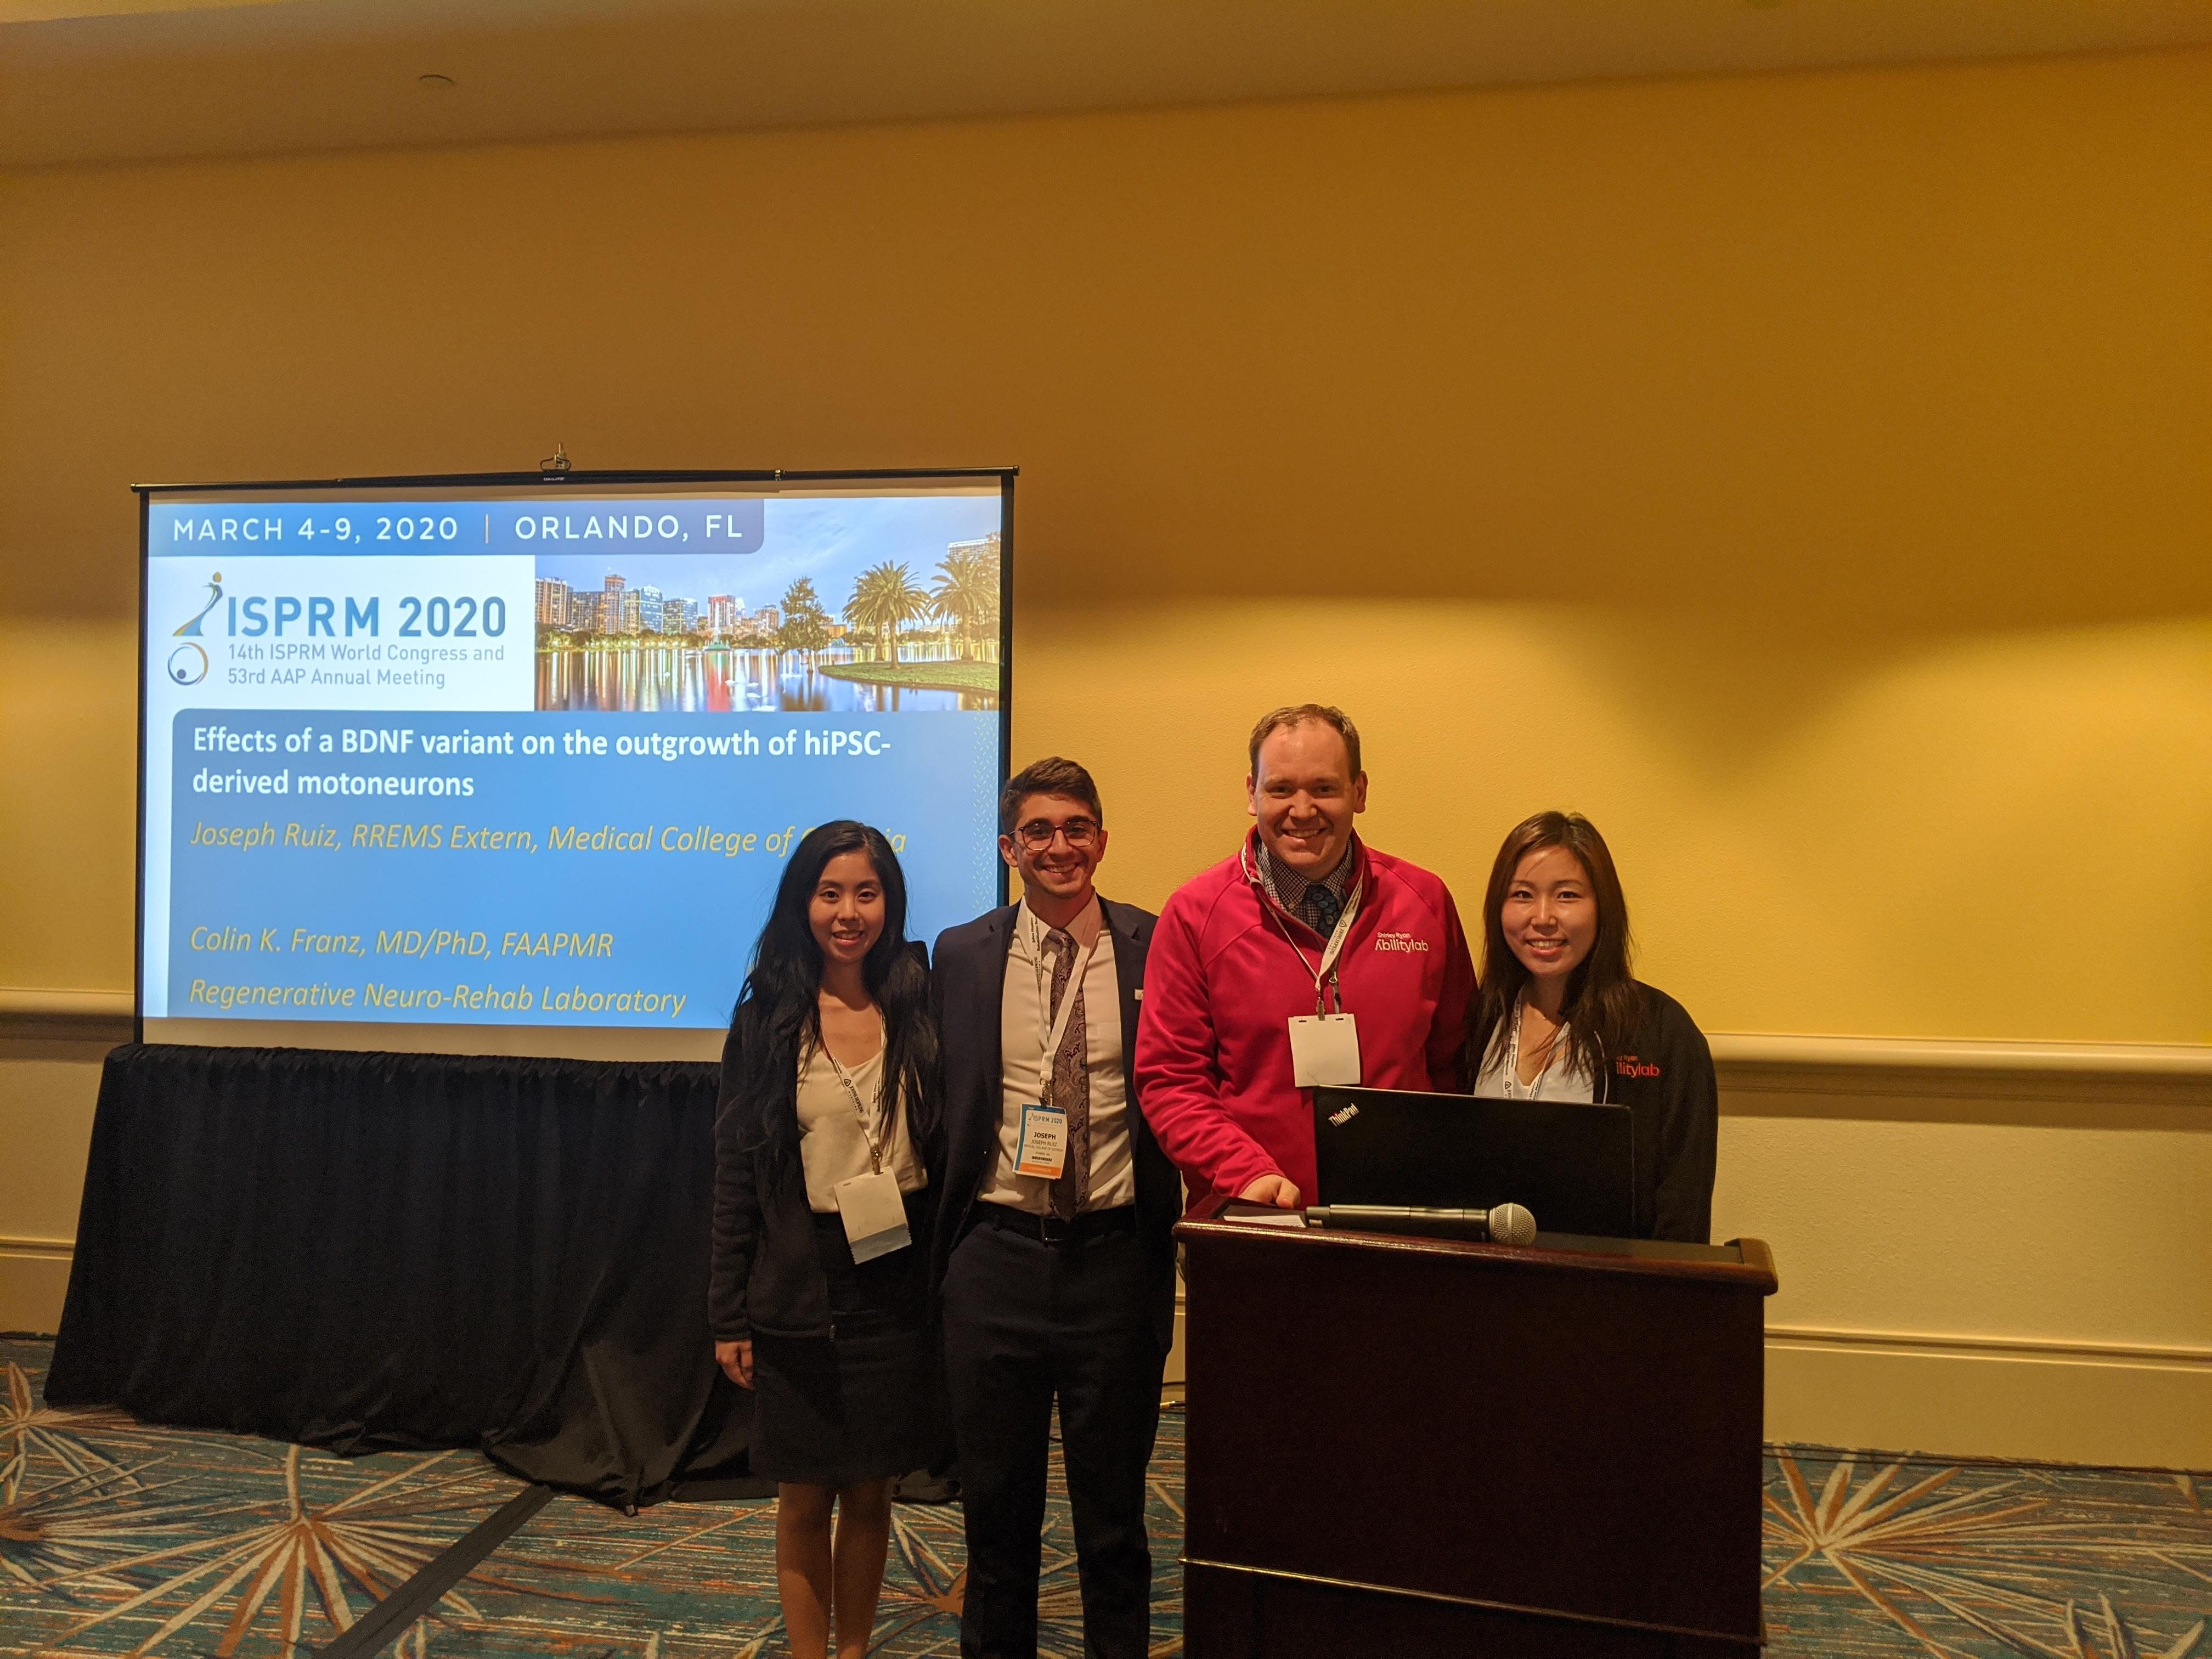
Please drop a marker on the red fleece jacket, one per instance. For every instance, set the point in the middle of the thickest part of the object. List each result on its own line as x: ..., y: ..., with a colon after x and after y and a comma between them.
x: 1221, y: 983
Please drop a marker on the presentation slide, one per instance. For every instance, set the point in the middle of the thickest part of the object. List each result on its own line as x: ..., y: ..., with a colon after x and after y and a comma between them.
x: 517, y: 770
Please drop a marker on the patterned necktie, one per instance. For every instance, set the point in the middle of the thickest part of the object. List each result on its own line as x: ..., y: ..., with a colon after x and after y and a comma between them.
x: 1325, y: 906
x: 1071, y: 1082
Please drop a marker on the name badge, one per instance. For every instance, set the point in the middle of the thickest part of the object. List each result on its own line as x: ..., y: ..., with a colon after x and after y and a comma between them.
x: 874, y: 1215
x: 1043, y: 1150
x: 1325, y: 1051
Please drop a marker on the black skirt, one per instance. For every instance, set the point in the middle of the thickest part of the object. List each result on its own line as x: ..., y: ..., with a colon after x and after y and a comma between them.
x: 862, y: 1405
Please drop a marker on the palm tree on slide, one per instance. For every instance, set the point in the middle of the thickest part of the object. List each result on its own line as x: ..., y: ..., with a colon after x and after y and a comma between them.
x: 966, y: 592
x: 884, y: 600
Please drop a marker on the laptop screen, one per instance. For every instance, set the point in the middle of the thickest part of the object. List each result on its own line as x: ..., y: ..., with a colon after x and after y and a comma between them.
x: 1568, y: 1163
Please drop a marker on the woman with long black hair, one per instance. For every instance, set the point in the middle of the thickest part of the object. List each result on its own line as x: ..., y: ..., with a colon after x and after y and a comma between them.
x: 824, y: 1143
x: 1556, y: 1015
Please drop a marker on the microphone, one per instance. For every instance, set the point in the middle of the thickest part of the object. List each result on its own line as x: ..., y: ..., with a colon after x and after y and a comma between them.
x: 1506, y: 1224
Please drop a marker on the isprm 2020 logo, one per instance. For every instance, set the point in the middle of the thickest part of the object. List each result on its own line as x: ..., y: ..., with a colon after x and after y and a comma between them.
x: 188, y: 663
x: 190, y: 629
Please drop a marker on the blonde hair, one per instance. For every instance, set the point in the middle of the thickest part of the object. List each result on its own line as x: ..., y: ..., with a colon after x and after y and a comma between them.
x: 1302, y: 714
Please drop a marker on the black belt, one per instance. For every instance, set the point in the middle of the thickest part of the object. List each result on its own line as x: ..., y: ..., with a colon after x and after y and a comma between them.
x: 1051, y: 1229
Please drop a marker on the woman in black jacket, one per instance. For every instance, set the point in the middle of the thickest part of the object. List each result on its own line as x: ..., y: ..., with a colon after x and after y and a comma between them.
x: 1556, y: 1016
x: 825, y: 1145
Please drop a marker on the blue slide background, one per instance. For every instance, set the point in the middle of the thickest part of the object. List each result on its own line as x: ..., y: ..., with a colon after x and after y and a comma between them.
x: 682, y: 922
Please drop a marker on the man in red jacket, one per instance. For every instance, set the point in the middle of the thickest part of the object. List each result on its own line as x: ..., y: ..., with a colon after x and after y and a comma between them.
x: 1308, y: 958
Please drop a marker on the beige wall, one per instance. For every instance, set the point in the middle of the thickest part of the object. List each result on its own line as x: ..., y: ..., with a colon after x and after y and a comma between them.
x: 47, y: 1095
x: 1808, y: 476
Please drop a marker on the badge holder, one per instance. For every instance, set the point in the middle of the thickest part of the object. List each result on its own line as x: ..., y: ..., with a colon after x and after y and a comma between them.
x: 1044, y: 1148
x: 874, y: 1214
x: 1325, y: 1051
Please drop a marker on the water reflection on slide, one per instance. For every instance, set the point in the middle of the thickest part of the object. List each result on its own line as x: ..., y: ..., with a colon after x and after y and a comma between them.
x: 695, y: 679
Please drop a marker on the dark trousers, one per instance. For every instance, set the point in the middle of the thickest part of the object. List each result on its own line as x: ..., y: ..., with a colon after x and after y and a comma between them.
x: 1024, y: 1321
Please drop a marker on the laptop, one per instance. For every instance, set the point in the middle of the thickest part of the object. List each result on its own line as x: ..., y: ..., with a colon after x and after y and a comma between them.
x: 1571, y: 1166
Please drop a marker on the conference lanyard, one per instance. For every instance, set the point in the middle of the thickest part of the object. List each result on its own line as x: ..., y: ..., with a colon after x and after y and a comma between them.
x: 1324, y: 976
x: 873, y: 1212
x: 1058, y: 1034
x: 1513, y: 1083
x: 875, y: 1152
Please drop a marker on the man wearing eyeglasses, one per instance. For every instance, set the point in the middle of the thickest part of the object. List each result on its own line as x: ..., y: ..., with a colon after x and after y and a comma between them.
x: 1054, y: 1254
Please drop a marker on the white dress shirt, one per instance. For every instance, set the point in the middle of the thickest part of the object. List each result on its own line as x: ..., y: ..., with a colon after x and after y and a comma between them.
x: 1023, y: 1031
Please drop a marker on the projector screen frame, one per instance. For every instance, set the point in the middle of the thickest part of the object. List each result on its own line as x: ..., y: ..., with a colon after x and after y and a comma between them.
x: 766, y: 480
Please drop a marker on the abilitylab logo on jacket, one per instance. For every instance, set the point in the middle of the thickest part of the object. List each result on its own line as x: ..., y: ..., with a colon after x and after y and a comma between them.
x: 1222, y: 983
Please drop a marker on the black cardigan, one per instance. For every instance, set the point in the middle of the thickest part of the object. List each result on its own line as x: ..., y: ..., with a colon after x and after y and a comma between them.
x: 764, y: 1274
x: 1666, y: 1081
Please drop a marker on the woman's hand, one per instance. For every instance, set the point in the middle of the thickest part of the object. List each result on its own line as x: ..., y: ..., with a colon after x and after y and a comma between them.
x: 1278, y: 1190
x: 736, y: 1360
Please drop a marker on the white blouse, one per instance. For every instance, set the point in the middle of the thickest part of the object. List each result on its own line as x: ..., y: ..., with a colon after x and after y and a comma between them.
x: 832, y: 1147
x: 1560, y: 1079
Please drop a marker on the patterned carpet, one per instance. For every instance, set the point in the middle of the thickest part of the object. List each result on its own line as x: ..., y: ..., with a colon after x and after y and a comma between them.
x: 120, y: 1539
x: 1868, y: 1555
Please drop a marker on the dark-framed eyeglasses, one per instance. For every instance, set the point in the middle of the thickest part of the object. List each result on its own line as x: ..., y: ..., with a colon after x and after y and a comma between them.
x: 1036, y: 835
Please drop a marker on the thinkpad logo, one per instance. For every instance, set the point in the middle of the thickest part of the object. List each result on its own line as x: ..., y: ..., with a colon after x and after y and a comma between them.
x: 1342, y: 1115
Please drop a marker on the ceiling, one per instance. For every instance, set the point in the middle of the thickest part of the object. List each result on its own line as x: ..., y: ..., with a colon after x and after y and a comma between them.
x: 111, y: 80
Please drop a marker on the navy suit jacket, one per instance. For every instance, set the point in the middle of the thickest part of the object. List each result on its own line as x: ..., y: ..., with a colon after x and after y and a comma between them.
x: 968, y: 983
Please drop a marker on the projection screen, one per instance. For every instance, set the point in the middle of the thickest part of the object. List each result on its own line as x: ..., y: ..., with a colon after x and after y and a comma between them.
x: 511, y: 764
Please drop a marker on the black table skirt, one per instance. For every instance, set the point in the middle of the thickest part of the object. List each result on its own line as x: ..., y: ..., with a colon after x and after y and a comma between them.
x: 368, y: 1251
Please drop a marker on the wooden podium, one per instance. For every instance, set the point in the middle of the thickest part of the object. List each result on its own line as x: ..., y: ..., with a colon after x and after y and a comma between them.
x: 1419, y: 1445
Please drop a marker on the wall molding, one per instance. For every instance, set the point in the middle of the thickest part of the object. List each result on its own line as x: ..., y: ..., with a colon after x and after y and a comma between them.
x: 44, y: 1014
x: 62, y: 1249
x: 2153, y: 1073
x: 1920, y: 1343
